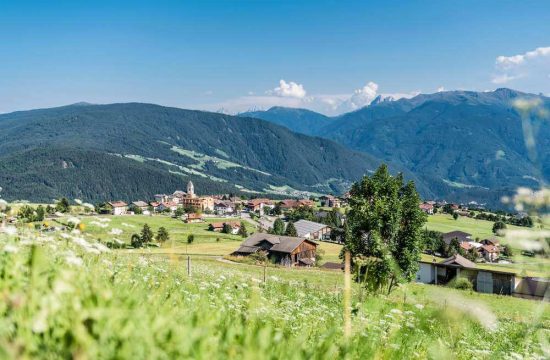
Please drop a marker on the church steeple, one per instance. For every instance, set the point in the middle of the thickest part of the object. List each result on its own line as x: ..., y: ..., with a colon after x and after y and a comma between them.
x: 190, y: 189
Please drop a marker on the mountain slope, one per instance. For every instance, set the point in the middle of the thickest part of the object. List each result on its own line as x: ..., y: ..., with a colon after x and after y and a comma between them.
x: 229, y: 153
x: 299, y: 120
x: 463, y: 145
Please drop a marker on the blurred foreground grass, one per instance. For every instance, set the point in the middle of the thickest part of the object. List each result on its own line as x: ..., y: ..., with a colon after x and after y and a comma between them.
x: 63, y: 295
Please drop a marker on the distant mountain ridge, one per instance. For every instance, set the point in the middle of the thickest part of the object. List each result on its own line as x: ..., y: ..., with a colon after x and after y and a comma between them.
x: 123, y: 151
x: 463, y: 145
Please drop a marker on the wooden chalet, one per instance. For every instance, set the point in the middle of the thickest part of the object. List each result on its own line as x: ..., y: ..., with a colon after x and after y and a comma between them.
x: 282, y: 250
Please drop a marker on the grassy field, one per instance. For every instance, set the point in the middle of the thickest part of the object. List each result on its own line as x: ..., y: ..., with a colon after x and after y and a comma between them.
x: 481, y: 229
x: 65, y: 296
x: 107, y: 227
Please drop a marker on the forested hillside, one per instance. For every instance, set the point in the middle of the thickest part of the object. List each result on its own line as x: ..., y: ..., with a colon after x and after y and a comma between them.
x: 463, y: 145
x: 135, y: 150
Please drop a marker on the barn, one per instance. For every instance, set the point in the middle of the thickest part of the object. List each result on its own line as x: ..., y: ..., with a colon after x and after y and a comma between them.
x: 282, y: 250
x: 483, y: 280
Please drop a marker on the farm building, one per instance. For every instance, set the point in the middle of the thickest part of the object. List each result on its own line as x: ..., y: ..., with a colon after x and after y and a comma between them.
x: 218, y: 226
x: 483, y: 280
x: 118, y: 207
x: 282, y: 250
x: 193, y: 218
x: 312, y: 230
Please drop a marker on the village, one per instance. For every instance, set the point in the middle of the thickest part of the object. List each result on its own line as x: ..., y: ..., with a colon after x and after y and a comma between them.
x: 289, y: 232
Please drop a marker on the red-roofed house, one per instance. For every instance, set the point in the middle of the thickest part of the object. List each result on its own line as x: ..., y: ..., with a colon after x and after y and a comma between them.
x: 427, y: 208
x: 490, y: 252
x: 118, y: 207
x: 193, y: 218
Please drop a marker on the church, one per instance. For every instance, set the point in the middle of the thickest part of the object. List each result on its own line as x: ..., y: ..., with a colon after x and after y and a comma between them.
x: 190, y: 199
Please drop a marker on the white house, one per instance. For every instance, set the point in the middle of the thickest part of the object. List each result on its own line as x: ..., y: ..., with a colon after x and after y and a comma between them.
x: 118, y: 207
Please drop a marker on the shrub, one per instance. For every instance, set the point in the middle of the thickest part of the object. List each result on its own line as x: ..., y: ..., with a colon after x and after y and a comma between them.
x: 461, y: 283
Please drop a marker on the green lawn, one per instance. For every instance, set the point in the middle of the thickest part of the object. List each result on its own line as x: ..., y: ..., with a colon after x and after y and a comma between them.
x: 481, y: 229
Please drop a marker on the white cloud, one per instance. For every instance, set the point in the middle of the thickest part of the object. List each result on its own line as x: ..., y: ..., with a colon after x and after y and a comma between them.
x: 507, y: 62
x: 362, y: 97
x: 291, y: 94
x: 530, y: 67
x: 288, y: 89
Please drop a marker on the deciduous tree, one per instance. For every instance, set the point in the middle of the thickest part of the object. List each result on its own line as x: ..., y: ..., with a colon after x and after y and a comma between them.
x: 384, y: 230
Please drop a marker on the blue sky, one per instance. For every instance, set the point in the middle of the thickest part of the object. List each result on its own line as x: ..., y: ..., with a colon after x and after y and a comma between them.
x: 330, y: 56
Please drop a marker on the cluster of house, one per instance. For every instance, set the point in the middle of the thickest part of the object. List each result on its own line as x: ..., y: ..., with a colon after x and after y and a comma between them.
x: 463, y: 209
x: 488, y: 249
x: 217, y: 204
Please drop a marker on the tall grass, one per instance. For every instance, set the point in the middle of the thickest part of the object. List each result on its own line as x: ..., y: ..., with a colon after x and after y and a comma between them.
x: 64, y: 296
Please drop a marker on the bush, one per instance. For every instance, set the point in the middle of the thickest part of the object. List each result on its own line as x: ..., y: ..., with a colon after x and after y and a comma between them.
x: 461, y: 283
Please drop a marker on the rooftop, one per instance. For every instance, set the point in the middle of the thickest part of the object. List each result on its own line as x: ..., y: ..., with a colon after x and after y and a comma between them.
x: 304, y: 227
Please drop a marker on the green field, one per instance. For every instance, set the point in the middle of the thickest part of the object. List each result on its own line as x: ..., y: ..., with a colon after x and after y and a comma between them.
x: 64, y: 296
x: 481, y: 229
x: 105, y: 228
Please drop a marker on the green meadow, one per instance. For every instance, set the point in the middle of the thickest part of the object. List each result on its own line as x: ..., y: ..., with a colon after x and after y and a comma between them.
x: 66, y: 296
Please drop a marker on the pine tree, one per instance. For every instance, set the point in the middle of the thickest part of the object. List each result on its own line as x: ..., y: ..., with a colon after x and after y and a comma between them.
x: 242, y: 230
x: 63, y: 205
x: 146, y: 234
x: 162, y: 235
x: 291, y: 229
x: 278, y: 227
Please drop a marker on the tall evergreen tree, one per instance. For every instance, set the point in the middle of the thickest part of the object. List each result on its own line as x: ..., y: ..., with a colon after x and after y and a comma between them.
x: 146, y: 234
x: 162, y: 235
x: 291, y: 229
x: 242, y: 230
x: 278, y: 227
x: 384, y: 230
x: 63, y: 205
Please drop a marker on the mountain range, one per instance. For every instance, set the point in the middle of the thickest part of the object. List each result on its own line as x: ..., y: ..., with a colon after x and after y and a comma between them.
x: 131, y: 151
x: 459, y: 145
x: 462, y: 145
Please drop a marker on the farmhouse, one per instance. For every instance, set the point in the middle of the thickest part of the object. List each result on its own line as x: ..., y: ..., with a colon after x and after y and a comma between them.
x: 330, y: 201
x: 171, y: 206
x: 142, y: 205
x: 490, y: 252
x: 222, y: 207
x: 193, y: 218
x: 259, y: 205
x: 312, y: 230
x: 282, y: 250
x: 294, y: 204
x: 118, y: 207
x: 218, y: 226
x: 427, y: 208
x: 483, y: 280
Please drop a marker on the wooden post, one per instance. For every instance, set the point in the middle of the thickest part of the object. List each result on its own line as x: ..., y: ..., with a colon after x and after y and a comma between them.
x: 188, y: 265
x: 347, y: 294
